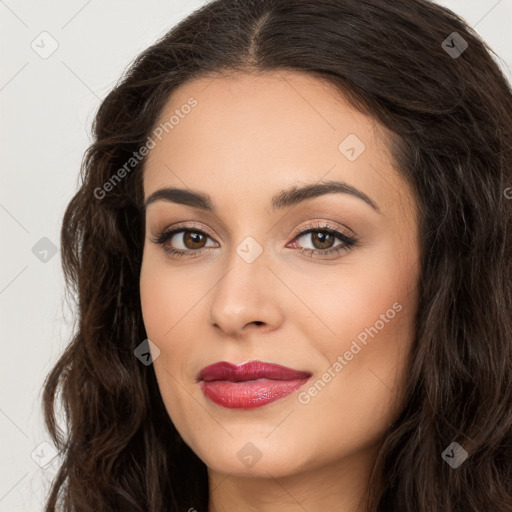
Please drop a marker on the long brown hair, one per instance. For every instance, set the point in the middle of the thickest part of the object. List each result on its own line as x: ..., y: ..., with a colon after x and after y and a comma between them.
x: 449, y: 108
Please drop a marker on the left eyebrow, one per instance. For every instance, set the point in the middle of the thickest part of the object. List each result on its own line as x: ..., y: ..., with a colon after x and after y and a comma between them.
x: 295, y: 195
x: 283, y: 199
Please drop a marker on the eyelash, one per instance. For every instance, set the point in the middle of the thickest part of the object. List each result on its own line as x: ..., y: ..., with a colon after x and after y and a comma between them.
x: 348, y: 242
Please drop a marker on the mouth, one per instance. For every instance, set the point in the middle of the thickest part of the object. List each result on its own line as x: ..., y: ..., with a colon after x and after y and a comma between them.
x: 249, y: 385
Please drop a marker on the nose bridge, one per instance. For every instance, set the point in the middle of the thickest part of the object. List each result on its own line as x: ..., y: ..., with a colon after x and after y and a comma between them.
x: 247, y: 291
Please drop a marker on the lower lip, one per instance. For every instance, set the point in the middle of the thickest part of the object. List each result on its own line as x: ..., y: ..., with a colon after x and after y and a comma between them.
x: 248, y: 394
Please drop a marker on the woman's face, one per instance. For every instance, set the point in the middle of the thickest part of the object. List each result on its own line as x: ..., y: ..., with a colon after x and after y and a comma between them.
x: 251, y: 285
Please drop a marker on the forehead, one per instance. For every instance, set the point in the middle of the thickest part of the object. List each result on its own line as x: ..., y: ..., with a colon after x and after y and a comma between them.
x: 261, y: 132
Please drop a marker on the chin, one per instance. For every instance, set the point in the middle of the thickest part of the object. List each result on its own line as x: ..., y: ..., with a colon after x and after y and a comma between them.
x: 255, y: 456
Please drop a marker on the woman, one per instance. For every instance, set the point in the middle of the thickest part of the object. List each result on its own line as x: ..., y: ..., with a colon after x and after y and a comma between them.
x: 293, y: 272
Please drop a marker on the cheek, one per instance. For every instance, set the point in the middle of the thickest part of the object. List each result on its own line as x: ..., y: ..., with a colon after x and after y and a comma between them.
x: 155, y: 296
x: 164, y: 311
x: 170, y: 303
x: 166, y: 295
x: 376, y: 300
x: 164, y: 306
x: 366, y: 331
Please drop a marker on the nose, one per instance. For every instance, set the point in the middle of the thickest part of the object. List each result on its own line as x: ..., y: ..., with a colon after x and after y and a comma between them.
x: 247, y: 297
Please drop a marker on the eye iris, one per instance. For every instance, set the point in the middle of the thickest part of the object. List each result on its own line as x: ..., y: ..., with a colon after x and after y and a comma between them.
x: 326, y: 239
x: 195, y: 238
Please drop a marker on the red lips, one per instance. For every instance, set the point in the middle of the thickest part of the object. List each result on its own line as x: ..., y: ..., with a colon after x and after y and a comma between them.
x: 249, y: 385
x: 251, y: 370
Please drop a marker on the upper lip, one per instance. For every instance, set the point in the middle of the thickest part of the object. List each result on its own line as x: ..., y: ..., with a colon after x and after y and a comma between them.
x: 251, y: 370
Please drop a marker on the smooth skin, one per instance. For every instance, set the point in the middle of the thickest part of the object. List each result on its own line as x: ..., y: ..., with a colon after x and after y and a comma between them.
x: 249, y: 137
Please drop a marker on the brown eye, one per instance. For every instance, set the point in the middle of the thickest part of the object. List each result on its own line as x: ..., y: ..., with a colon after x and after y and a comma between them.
x: 322, y: 239
x: 193, y: 240
x: 181, y: 241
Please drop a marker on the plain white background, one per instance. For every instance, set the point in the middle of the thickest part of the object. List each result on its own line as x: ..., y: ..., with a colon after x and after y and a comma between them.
x: 47, y: 106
